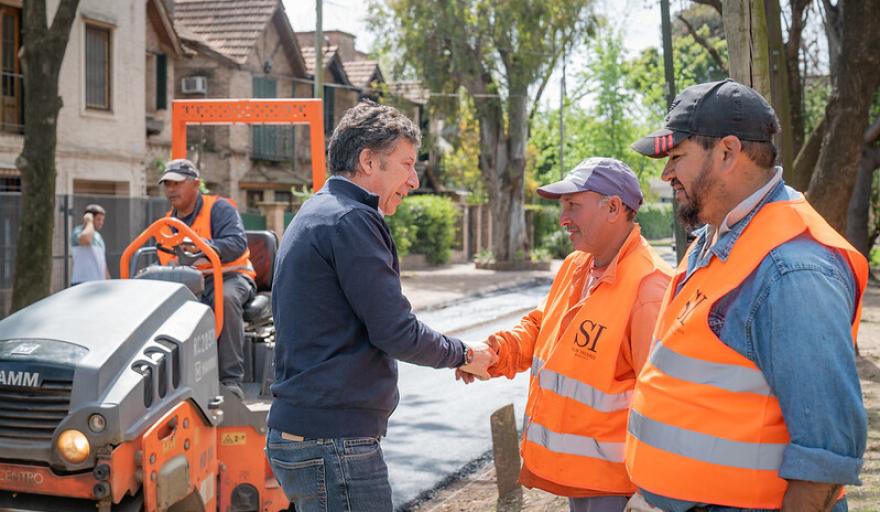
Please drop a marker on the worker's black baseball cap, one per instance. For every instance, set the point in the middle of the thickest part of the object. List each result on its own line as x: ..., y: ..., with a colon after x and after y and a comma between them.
x: 712, y: 109
x: 179, y: 170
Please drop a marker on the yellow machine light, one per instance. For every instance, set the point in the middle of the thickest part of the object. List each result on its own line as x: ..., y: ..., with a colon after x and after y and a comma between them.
x: 73, y: 446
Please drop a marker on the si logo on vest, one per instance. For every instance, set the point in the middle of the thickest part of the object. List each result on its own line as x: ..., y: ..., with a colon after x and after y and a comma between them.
x: 586, y: 339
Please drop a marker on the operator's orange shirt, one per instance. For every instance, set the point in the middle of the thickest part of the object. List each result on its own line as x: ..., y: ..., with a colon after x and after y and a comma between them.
x: 517, y: 346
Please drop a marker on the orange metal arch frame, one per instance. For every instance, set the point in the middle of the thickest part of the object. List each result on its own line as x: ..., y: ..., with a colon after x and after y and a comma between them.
x: 252, y: 111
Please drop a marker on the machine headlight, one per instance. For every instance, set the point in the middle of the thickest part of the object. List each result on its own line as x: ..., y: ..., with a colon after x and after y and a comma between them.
x: 97, y: 423
x: 73, y: 446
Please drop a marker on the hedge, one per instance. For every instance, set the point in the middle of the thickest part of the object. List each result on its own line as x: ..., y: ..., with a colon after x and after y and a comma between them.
x: 425, y: 224
x: 655, y: 220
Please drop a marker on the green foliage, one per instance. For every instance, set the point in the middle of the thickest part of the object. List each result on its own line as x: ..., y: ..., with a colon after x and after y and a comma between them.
x: 614, y: 121
x: 301, y: 193
x: 540, y: 254
x: 425, y: 224
x: 545, y: 220
x: 875, y: 257
x: 485, y: 257
x: 816, y: 94
x: 655, y: 220
x: 403, y: 228
x: 557, y: 244
x: 473, y: 43
x: 692, y: 64
x: 462, y: 166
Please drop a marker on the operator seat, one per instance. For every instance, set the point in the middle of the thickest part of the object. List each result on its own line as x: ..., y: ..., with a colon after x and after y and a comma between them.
x: 263, y: 246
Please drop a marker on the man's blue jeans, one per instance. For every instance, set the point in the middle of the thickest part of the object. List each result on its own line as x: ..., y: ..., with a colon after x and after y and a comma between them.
x: 331, y: 475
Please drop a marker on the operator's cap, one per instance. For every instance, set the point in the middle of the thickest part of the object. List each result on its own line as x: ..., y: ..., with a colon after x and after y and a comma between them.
x: 179, y: 170
x: 606, y: 176
x: 712, y: 109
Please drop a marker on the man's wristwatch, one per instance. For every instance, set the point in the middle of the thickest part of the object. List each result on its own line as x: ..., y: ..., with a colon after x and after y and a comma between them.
x: 468, y: 355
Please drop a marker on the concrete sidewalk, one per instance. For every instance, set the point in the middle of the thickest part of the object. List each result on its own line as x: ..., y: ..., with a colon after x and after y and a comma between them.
x: 438, y: 287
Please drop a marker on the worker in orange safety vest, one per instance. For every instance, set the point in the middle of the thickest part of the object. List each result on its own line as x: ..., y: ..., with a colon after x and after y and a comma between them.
x: 219, y: 224
x: 750, y: 399
x: 587, y: 341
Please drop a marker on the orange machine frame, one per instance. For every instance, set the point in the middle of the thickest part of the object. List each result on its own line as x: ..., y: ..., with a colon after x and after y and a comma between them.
x: 252, y: 111
x: 171, y: 240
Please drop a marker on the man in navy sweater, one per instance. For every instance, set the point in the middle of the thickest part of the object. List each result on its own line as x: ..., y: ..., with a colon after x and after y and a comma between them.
x: 342, y: 322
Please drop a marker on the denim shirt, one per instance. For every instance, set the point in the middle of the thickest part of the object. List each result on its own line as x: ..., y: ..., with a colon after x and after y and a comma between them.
x: 792, y: 317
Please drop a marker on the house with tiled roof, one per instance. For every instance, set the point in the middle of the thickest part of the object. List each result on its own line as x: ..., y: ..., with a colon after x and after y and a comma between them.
x: 340, y: 93
x: 243, y: 49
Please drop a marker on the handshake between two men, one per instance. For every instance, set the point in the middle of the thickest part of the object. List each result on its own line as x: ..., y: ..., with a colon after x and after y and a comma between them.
x: 484, y: 355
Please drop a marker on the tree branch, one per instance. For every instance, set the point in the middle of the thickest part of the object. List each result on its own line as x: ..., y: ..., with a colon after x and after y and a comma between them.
x: 702, y: 41
x: 793, y: 45
x: 715, y: 4
x: 35, y: 18
x: 62, y: 23
x: 567, y: 39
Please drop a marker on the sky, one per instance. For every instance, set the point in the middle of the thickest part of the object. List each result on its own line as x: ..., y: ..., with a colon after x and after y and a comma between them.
x: 639, y: 20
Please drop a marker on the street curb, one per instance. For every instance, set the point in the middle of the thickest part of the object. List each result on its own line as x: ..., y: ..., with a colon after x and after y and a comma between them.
x: 484, y: 292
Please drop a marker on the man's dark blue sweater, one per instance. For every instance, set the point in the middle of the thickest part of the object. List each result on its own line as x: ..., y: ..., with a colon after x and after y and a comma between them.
x: 342, y: 321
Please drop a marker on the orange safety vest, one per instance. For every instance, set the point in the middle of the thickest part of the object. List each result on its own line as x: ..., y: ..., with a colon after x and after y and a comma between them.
x: 705, y: 426
x: 202, y: 226
x: 575, y: 421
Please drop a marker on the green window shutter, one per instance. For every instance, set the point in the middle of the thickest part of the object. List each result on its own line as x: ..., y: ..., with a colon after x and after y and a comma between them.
x: 161, y: 81
x: 329, y: 107
x: 265, y: 138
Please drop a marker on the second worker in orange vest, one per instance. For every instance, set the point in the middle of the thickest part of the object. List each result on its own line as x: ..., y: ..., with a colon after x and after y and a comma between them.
x: 750, y: 399
x: 587, y: 341
x: 218, y: 223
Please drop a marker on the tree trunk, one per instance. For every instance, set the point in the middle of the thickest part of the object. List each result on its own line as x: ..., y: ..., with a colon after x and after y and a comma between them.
x: 847, y: 111
x: 805, y: 163
x: 779, y: 87
x: 502, y: 163
x: 42, y: 53
x: 860, y: 203
x: 792, y: 50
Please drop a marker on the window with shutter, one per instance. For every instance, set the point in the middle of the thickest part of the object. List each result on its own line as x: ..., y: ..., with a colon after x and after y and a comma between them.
x: 97, y: 67
x: 273, y: 143
x: 329, y: 108
x: 161, y: 81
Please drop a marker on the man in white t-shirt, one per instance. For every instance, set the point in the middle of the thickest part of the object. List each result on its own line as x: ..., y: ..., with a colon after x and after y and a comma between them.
x: 89, y: 260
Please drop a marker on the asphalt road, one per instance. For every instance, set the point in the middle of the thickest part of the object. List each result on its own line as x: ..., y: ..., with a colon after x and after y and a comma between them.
x: 440, y: 424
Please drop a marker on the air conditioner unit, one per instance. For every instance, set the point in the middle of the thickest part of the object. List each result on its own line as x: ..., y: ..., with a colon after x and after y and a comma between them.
x: 194, y: 85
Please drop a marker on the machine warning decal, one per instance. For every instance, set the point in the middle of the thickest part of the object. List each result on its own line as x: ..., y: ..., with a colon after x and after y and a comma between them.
x: 233, y: 438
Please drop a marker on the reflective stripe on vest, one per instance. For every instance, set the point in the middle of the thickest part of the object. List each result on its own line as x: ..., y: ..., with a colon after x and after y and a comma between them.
x: 706, y: 448
x: 704, y: 425
x: 579, y: 391
x: 573, y: 444
x: 731, y: 377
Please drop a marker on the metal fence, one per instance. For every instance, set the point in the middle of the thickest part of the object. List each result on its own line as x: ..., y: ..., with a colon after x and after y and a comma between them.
x: 126, y: 218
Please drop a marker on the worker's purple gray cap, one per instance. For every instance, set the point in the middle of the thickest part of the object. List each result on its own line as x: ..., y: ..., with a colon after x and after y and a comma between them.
x: 606, y: 176
x: 712, y: 109
x: 179, y: 170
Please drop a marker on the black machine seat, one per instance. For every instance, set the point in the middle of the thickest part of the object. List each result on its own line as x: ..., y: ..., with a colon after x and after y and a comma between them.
x: 258, y: 309
x: 263, y: 246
